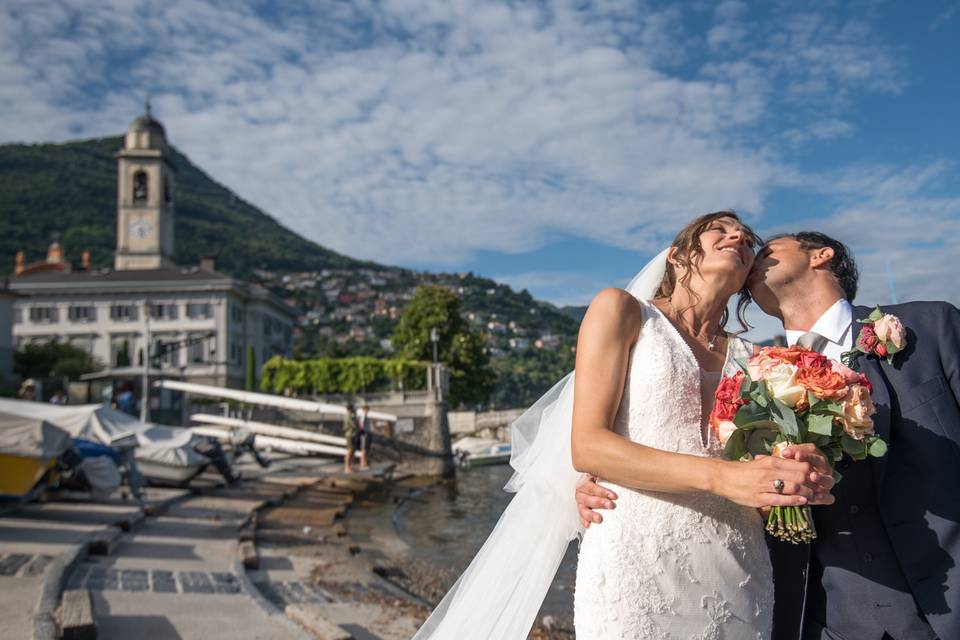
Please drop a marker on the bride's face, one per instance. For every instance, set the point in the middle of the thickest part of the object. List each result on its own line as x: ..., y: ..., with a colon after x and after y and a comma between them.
x: 727, y: 249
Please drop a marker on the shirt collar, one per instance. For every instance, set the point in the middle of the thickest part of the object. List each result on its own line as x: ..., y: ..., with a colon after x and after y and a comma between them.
x: 834, y: 324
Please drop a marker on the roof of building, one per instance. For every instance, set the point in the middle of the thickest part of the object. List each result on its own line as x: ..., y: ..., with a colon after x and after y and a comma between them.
x: 163, y: 274
x: 172, y: 279
x: 147, y: 122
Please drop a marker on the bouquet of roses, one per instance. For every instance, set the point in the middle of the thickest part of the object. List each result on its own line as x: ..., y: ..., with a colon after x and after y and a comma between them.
x: 792, y: 396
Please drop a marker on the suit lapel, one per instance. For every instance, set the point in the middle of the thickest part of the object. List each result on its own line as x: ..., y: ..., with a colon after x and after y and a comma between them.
x: 872, y: 367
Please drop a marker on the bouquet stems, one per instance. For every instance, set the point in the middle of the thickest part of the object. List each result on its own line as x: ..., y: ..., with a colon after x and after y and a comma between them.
x: 791, y: 524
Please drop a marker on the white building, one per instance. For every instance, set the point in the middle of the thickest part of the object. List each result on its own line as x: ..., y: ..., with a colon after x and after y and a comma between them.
x: 205, y: 320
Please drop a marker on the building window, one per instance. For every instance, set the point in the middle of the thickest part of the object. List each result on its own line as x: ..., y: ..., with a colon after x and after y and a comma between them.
x: 199, y: 310
x: 165, y: 352
x: 140, y: 186
x: 87, y: 313
x: 43, y: 315
x: 120, y: 351
x: 123, y: 312
x: 196, y: 351
x: 17, y: 315
x: 236, y: 313
x: 166, y: 311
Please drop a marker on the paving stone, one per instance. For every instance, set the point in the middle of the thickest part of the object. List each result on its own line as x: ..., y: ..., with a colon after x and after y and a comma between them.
x: 9, y: 565
x: 102, y: 579
x: 134, y: 580
x: 195, y: 582
x: 36, y: 566
x: 225, y: 582
x: 164, y: 581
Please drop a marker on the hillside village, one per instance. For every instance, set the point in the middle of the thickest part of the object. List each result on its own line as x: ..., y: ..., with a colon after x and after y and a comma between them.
x: 362, y: 305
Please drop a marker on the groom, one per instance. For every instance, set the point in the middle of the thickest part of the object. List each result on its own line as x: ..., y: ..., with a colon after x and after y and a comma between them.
x: 885, y: 563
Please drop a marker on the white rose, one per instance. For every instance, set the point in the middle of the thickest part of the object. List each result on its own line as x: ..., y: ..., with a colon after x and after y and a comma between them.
x: 781, y: 381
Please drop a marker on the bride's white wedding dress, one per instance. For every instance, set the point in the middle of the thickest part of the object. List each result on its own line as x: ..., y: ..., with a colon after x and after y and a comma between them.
x: 664, y: 565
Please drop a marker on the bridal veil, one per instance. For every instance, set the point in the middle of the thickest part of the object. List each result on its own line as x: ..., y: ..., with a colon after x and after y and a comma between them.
x: 500, y: 593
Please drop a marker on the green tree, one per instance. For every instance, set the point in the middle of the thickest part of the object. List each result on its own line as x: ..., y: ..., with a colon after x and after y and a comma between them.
x: 53, y: 359
x: 432, y: 307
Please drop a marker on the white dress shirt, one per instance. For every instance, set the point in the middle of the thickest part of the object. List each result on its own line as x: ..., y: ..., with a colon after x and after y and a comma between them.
x: 836, y: 325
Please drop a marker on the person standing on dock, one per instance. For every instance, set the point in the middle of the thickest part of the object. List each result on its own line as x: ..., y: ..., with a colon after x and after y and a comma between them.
x: 351, y: 431
x: 366, y: 435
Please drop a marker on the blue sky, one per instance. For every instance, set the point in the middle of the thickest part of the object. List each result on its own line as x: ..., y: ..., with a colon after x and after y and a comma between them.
x: 552, y: 145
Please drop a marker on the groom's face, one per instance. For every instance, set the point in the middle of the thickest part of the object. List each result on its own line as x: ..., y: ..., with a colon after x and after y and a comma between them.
x: 780, y: 263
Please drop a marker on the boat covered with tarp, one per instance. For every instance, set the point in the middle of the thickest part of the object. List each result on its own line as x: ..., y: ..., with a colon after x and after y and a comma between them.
x: 163, y: 454
x: 29, y: 448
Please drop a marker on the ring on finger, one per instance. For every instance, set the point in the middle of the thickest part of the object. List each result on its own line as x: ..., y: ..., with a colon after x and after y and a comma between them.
x: 778, y: 485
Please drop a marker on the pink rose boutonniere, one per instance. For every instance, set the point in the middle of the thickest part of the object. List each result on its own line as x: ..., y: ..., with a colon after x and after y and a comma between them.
x: 882, y: 335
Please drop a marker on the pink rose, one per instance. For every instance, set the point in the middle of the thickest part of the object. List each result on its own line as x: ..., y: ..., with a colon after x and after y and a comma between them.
x: 889, y: 329
x: 858, y: 412
x: 848, y: 374
x: 851, y: 376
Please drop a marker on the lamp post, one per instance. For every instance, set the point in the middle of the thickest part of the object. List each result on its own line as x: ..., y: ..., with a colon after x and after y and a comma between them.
x: 145, y: 383
x: 434, y: 338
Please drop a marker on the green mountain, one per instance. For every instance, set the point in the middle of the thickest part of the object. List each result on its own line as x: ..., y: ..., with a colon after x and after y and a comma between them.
x: 68, y: 192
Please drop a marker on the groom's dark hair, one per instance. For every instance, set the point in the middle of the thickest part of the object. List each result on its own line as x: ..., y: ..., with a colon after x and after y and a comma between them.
x: 842, y: 265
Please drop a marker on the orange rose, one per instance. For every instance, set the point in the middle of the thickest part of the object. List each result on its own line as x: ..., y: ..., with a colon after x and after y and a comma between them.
x: 823, y: 382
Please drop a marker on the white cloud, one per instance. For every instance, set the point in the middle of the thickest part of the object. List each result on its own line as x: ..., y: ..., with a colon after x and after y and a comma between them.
x: 415, y: 130
x: 423, y: 131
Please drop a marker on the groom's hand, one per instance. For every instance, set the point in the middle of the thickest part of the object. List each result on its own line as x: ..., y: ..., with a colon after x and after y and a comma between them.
x: 822, y: 475
x: 590, y: 496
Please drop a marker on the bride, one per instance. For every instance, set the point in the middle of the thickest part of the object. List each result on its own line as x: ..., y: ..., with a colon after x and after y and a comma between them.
x: 683, y: 555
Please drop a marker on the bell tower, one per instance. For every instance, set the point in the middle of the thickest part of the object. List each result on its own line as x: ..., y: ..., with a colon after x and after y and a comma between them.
x: 145, y: 214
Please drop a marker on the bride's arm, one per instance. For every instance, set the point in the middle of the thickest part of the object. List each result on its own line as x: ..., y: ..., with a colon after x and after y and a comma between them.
x: 610, y: 327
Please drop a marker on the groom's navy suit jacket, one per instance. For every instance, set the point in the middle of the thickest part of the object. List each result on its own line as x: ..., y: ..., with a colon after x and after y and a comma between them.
x: 888, y: 550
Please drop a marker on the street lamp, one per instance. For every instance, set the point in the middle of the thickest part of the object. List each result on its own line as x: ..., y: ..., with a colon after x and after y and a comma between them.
x: 145, y: 383
x: 434, y: 338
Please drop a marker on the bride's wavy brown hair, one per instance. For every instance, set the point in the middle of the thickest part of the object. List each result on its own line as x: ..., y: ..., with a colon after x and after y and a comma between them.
x: 690, y: 254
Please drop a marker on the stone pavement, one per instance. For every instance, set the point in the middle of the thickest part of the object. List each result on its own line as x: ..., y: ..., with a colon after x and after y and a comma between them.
x: 33, y: 535
x: 179, y: 573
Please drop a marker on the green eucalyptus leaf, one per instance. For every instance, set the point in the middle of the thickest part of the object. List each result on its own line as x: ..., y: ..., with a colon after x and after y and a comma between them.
x: 786, y: 419
x: 877, y: 448
x: 736, y: 446
x: 820, y: 424
x: 856, y: 449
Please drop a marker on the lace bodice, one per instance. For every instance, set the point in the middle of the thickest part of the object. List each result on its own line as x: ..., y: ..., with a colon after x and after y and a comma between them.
x: 672, y: 565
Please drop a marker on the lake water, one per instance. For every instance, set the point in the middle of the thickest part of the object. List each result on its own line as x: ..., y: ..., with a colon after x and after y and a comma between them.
x: 446, y: 524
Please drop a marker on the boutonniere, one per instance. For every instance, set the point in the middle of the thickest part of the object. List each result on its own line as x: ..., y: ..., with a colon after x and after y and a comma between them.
x: 882, y: 335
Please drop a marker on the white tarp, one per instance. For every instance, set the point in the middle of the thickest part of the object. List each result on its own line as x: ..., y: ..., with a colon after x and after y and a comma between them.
x: 31, y: 437
x: 100, y: 423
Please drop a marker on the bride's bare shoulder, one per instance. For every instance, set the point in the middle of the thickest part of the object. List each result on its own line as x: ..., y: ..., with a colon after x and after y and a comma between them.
x: 613, y: 310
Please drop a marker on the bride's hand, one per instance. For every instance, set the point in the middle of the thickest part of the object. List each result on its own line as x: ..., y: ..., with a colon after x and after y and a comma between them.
x: 752, y: 484
x: 590, y: 496
x: 822, y: 475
